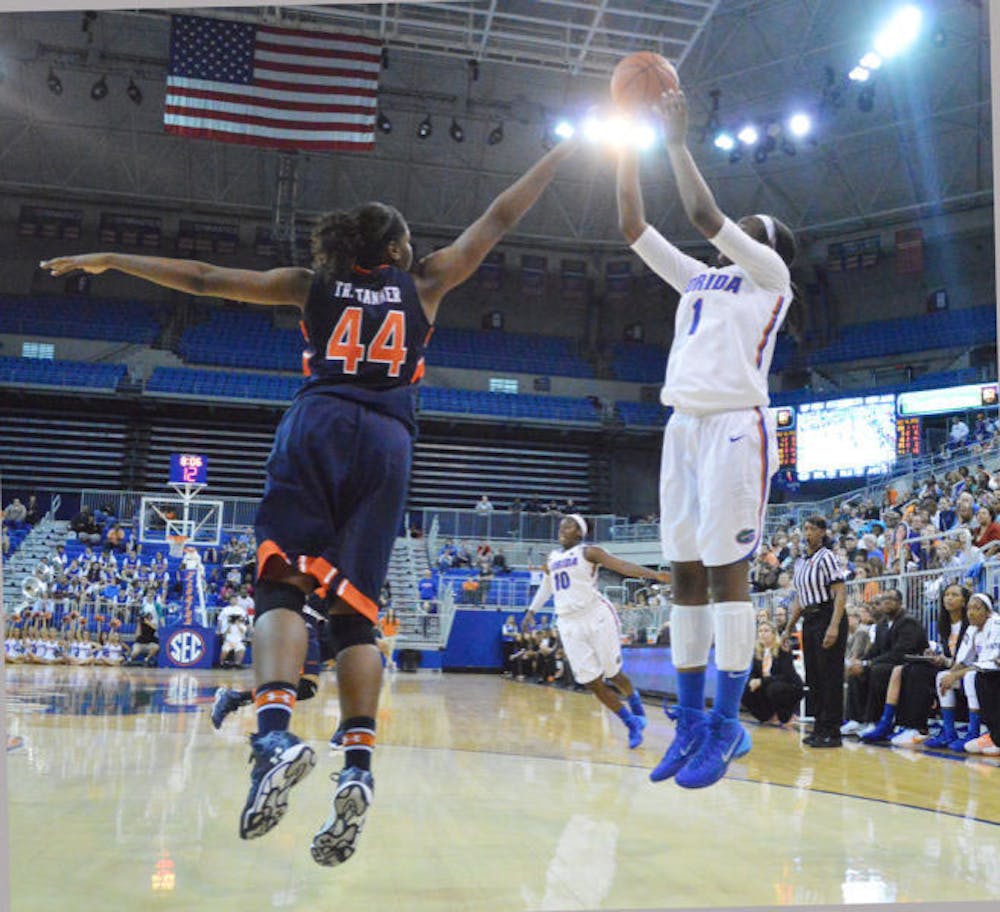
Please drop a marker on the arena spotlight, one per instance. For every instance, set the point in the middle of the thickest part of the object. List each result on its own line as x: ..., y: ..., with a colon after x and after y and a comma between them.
x: 99, y: 89
x: 799, y: 125
x: 871, y: 61
x: 748, y: 135
x: 54, y: 82
x: 425, y: 128
x: 495, y: 136
x: 859, y: 74
x: 725, y: 142
x: 134, y: 93
x: 899, y: 32
x: 456, y: 132
x: 592, y: 129
x: 564, y: 129
x: 383, y: 123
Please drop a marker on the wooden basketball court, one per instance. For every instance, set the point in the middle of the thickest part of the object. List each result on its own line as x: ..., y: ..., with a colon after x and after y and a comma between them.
x: 490, y: 794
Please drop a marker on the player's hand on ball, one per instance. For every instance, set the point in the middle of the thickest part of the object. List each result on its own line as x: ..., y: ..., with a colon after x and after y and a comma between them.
x: 94, y: 263
x: 672, y: 107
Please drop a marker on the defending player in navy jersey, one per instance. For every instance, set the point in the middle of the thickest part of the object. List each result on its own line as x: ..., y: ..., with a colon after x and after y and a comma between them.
x: 719, y: 447
x: 587, y: 621
x: 339, y: 470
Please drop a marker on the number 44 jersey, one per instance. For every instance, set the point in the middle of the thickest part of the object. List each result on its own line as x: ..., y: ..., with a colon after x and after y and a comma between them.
x: 365, y: 337
x: 574, y: 581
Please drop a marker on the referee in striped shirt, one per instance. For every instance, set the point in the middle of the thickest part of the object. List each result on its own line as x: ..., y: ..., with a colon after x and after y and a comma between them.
x: 818, y: 583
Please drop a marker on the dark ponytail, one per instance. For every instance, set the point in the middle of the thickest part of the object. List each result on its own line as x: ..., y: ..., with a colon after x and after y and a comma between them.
x: 344, y: 239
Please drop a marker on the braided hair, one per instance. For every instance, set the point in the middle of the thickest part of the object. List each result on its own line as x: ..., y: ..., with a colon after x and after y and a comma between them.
x: 356, y: 237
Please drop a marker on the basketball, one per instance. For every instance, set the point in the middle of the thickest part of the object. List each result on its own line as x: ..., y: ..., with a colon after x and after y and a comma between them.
x: 639, y: 79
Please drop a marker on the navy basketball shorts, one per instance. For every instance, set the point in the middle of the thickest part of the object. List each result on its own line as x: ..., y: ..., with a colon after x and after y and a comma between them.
x: 337, y: 480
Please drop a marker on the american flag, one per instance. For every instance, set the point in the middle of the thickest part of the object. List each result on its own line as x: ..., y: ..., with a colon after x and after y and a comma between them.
x: 276, y: 87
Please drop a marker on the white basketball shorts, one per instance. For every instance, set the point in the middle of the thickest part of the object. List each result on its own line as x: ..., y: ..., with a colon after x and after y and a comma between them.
x: 591, y: 640
x: 715, y: 475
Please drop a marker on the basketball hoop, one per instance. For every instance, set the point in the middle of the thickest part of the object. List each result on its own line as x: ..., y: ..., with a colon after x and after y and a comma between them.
x: 177, y: 543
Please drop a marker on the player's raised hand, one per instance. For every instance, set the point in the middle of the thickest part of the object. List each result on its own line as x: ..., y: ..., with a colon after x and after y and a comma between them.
x: 94, y: 263
x: 672, y: 108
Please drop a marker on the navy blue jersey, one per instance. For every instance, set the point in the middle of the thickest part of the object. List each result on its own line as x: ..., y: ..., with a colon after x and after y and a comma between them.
x: 366, y: 338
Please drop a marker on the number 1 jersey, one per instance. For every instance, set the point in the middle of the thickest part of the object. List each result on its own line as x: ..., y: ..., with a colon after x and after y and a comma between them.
x: 726, y: 323
x: 365, y: 336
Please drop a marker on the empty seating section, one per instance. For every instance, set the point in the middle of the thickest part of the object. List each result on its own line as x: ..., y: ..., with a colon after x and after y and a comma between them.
x: 454, y: 473
x: 17, y: 536
x: 187, y: 382
x: 236, y: 456
x: 518, y: 353
x: 881, y: 338
x: 505, y: 405
x: 636, y: 362
x: 238, y: 338
x: 79, y: 318
x: 43, y: 372
x: 67, y: 451
x: 642, y: 414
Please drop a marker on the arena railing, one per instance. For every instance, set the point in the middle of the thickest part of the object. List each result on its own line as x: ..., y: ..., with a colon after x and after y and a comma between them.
x: 237, y: 512
x: 921, y: 590
x: 499, y: 525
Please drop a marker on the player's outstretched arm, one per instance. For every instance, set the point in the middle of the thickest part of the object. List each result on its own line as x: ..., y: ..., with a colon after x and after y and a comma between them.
x: 288, y: 286
x: 439, y: 272
x: 626, y: 568
x: 543, y: 594
x: 631, y: 211
x: 697, y: 199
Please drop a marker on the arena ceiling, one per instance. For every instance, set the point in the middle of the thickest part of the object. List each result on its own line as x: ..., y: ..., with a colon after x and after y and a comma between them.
x: 923, y: 148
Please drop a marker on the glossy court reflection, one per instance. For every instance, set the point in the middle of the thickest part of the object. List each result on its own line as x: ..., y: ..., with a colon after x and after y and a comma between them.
x: 489, y: 795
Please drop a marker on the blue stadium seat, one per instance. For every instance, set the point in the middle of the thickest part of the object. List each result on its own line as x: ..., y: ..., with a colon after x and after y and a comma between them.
x: 45, y: 372
x: 80, y: 318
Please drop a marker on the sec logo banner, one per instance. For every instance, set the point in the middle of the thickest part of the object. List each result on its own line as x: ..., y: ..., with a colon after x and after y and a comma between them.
x: 186, y: 648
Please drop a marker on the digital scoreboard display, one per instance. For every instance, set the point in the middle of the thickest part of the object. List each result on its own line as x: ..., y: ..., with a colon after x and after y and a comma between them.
x: 188, y: 469
x: 784, y: 419
x: 952, y: 399
x: 908, y: 437
x: 846, y: 438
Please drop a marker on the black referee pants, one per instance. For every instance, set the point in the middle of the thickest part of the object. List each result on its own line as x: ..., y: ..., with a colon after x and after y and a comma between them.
x: 824, y: 669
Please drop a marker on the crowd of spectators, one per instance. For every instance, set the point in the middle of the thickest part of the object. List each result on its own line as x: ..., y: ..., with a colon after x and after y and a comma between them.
x: 905, y: 660
x: 532, y: 651
x: 485, y: 564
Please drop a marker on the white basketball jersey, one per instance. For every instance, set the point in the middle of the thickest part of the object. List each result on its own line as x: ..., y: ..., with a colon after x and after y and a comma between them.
x: 726, y: 322
x: 574, y: 580
x: 988, y: 658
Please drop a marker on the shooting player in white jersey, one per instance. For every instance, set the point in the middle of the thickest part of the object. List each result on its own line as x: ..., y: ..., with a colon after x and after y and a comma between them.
x: 719, y: 448
x: 588, y: 625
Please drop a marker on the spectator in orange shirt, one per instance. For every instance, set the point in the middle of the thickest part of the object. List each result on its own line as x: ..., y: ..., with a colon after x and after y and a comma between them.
x: 389, y: 625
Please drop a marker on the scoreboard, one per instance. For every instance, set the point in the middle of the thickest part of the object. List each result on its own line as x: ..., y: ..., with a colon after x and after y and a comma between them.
x: 188, y: 469
x: 784, y: 418
x: 907, y: 437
